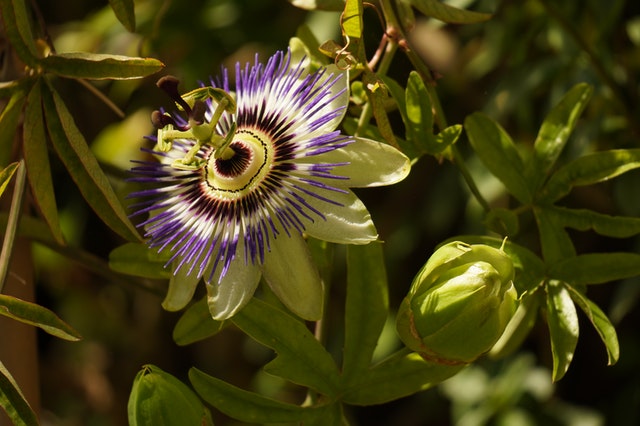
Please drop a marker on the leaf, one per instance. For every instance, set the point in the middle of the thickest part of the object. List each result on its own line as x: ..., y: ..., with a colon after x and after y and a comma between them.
x: 601, y: 323
x: 247, y: 406
x: 13, y: 402
x: 196, y: 324
x: 98, y: 66
x: 36, y: 315
x: 83, y: 167
x: 366, y: 308
x: 329, y: 5
x: 419, y: 113
x: 396, y: 377
x: 377, y: 94
x: 9, y: 124
x: 5, y: 176
x: 452, y: 15
x: 596, y: 268
x: 603, y: 224
x: 124, y: 11
x: 498, y: 153
x: 139, y: 260
x: 36, y: 157
x: 446, y: 138
x: 554, y: 239
x: 408, y: 147
x: 351, y: 21
x: 554, y: 133
x: 562, y: 320
x: 590, y: 169
x: 301, y: 358
x: 519, y: 326
x: 17, y: 27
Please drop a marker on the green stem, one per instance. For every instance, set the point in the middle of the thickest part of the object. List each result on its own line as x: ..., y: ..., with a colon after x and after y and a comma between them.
x: 462, y: 167
x: 12, y: 222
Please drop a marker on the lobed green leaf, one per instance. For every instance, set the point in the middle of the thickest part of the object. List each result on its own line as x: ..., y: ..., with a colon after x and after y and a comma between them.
x: 601, y: 323
x: 248, y: 406
x: 13, y: 402
x: 596, y: 268
x: 409, y: 147
x: 36, y: 157
x: 590, y: 169
x: 97, y: 66
x: 498, y: 153
x: 562, y: 320
x: 366, y: 308
x: 196, y: 324
x: 36, y: 315
x: 554, y: 133
x: 83, y: 166
x: 396, y: 377
x: 603, y: 224
x: 124, y: 11
x: 419, y: 122
x: 351, y: 21
x: 301, y: 358
x: 446, y: 13
x: 554, y: 239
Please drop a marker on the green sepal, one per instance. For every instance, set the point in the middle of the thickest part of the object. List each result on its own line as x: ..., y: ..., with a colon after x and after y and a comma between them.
x: 158, y: 398
x: 38, y: 316
x: 138, y: 260
x: 196, y: 324
x: 13, y: 401
x: 519, y: 326
x: 83, y: 167
x: 446, y: 13
x: 99, y: 66
x: 562, y: 320
x: 301, y: 358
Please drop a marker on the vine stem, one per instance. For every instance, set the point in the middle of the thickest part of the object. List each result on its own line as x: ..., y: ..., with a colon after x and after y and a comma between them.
x: 12, y: 222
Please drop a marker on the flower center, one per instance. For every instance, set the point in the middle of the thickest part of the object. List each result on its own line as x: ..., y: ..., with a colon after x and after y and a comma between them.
x: 241, y: 166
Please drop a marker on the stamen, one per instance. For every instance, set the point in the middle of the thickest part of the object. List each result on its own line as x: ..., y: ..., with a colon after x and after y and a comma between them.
x: 169, y: 84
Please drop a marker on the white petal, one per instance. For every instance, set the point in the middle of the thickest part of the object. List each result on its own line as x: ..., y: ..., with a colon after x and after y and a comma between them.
x: 342, y: 100
x: 228, y: 295
x: 181, y: 288
x: 293, y: 277
x: 371, y: 163
x: 347, y: 223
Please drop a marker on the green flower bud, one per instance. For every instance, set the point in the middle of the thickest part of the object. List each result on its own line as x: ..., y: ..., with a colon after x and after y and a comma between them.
x: 158, y: 398
x: 459, y: 303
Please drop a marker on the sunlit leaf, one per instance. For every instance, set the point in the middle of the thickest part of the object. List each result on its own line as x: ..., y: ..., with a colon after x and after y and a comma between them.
x: 9, y: 124
x: 13, y: 402
x: 5, y: 176
x: 329, y: 5
x: 603, y: 224
x: 601, y: 323
x: 352, y: 19
x: 366, y: 308
x: 138, y: 260
x: 98, y: 66
x: 36, y: 157
x: 196, y: 324
x: 124, y: 11
x: 83, y: 167
x: 562, y: 320
x: 396, y: 377
x: 419, y: 114
x: 590, y: 169
x: 301, y: 358
x: 554, y: 133
x: 397, y: 92
x: 446, y: 138
x: 36, y: 315
x: 377, y: 95
x: 596, y: 268
x: 446, y: 13
x: 247, y: 406
x: 498, y: 153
